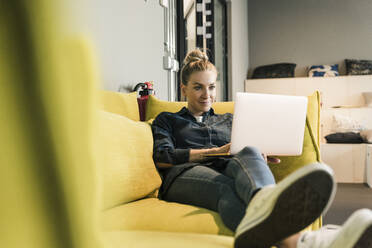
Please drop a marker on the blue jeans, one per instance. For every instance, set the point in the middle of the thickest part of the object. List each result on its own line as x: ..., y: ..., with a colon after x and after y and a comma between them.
x: 226, y: 190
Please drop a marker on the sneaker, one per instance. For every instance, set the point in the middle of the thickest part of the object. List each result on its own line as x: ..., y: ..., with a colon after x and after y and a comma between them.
x: 356, y: 232
x: 278, y: 211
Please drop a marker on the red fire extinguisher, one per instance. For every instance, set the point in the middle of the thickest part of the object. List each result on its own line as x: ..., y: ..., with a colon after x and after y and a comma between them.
x: 144, y: 90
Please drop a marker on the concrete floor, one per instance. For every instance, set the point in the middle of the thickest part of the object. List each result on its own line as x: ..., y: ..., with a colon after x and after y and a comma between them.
x: 349, y: 197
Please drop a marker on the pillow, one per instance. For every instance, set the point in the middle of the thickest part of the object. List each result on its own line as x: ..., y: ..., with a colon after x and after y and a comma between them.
x: 358, y: 67
x: 128, y: 170
x: 367, y: 98
x: 342, y: 124
x: 323, y: 71
x: 348, y: 137
x: 366, y: 135
x: 124, y: 104
x: 280, y: 70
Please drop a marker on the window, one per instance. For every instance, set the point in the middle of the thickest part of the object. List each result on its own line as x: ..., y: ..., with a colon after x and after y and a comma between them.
x: 203, y: 24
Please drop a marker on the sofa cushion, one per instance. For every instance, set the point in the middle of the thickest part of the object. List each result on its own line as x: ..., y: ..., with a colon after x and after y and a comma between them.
x: 155, y: 239
x: 127, y: 168
x: 121, y: 104
x: 344, y: 123
x: 159, y: 215
x: 323, y: 71
x: 358, y: 67
x: 279, y: 70
x: 345, y: 138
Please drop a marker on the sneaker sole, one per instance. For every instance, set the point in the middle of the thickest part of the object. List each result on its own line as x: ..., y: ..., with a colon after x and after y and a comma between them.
x: 297, y: 206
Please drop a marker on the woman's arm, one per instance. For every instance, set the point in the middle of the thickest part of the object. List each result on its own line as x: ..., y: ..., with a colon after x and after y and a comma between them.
x: 166, y: 155
x: 164, y: 152
x: 197, y: 155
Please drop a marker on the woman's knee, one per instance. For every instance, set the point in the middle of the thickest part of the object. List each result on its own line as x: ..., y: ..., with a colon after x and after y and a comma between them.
x: 251, y: 151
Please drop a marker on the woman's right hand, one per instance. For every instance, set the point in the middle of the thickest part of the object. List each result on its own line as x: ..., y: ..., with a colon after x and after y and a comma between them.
x: 197, y: 155
x: 221, y: 149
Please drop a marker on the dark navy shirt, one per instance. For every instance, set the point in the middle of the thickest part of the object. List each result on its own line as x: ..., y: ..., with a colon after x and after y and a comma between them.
x: 176, y: 133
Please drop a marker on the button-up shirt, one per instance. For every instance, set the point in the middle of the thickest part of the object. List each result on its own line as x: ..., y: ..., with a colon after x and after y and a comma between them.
x: 176, y: 133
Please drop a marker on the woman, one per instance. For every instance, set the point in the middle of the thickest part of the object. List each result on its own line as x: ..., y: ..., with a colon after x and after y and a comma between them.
x: 241, y: 189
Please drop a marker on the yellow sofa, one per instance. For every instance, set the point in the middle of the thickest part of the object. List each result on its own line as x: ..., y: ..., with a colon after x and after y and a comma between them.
x: 50, y: 151
x: 131, y: 180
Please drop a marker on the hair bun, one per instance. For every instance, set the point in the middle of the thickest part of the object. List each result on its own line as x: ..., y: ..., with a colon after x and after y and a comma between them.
x: 195, y: 61
x: 194, y: 56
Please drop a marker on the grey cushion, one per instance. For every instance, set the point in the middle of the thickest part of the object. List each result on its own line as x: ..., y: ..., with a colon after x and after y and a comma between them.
x: 280, y: 70
x: 358, y: 67
x: 348, y: 137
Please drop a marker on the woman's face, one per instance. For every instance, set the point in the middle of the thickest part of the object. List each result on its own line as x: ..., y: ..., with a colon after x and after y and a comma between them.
x: 200, y: 91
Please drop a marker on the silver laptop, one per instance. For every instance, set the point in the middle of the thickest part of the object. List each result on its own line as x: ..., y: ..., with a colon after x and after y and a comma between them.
x: 275, y: 124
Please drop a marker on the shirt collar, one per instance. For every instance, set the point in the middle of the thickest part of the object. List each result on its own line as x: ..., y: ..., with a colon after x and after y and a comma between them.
x: 185, y: 111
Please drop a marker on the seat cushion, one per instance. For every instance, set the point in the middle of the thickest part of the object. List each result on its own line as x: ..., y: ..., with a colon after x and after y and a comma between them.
x: 127, y: 168
x: 159, y: 215
x: 121, y: 104
x: 154, y: 239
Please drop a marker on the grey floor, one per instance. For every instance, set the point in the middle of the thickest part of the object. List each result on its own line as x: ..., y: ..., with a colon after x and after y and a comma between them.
x: 349, y: 197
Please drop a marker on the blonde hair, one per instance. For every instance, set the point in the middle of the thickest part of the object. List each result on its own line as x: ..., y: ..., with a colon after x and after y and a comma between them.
x: 195, y: 61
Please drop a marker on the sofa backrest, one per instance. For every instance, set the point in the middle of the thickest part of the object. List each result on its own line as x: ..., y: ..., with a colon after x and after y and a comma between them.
x: 155, y: 106
x: 48, y: 97
x: 310, y: 153
x: 124, y: 104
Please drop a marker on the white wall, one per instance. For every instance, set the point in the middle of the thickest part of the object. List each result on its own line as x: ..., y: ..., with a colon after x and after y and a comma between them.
x: 129, y: 37
x: 239, y: 59
x: 309, y: 32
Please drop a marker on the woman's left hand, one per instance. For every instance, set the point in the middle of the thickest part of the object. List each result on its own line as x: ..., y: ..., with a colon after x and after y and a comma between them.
x: 271, y: 160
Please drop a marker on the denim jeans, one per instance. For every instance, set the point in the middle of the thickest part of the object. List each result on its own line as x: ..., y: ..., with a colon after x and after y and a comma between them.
x: 226, y: 190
